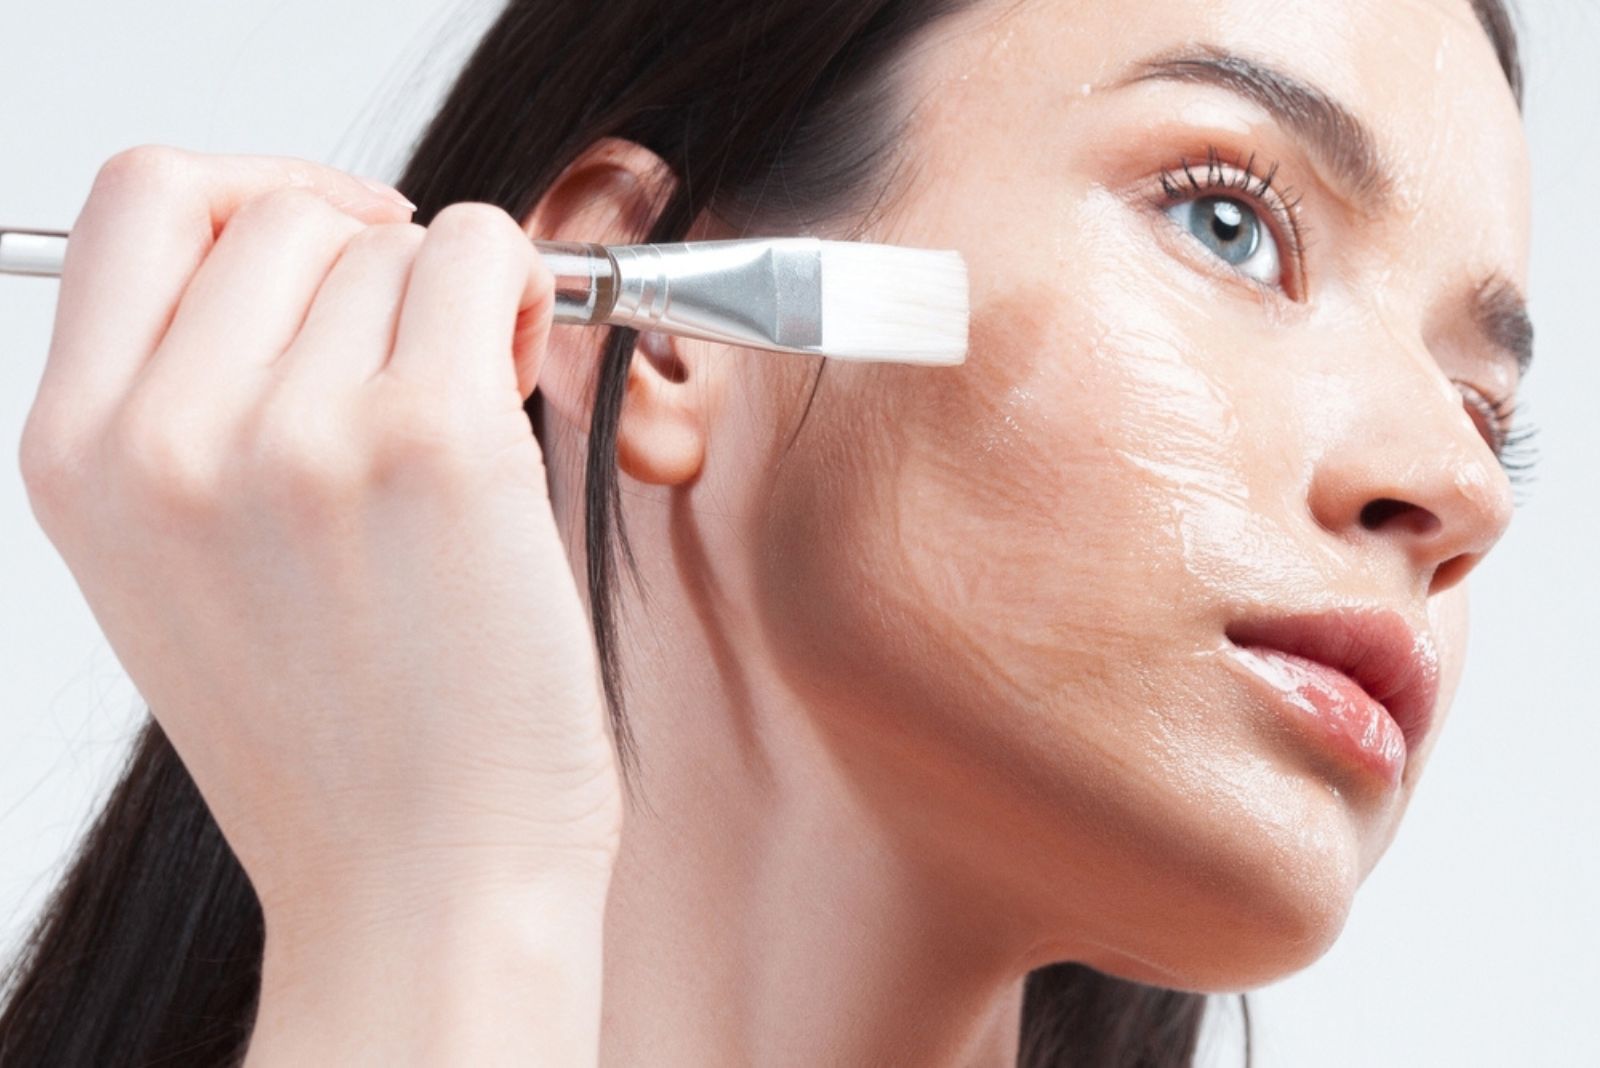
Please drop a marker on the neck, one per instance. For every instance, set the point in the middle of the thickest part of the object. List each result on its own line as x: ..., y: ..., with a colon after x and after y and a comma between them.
x: 761, y: 911
x: 756, y: 917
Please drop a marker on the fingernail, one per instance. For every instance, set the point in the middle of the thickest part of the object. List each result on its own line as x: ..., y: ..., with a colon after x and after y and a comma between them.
x: 388, y: 191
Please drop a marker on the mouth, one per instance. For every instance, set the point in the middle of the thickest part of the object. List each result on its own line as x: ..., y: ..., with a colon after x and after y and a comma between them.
x: 1365, y: 675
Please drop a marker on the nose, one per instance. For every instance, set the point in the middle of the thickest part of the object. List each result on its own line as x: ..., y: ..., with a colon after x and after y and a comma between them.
x: 1411, y: 477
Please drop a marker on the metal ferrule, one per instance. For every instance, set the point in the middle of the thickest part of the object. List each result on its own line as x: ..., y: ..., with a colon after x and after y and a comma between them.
x: 764, y: 292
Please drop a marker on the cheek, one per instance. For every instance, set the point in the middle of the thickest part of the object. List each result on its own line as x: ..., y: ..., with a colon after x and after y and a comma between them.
x: 1095, y: 449
x: 1002, y: 478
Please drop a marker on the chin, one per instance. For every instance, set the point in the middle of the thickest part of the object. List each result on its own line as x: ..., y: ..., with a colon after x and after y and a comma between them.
x: 1256, y: 949
x: 1259, y: 901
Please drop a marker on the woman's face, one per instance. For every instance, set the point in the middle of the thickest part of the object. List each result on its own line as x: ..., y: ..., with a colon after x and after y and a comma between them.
x: 1007, y: 589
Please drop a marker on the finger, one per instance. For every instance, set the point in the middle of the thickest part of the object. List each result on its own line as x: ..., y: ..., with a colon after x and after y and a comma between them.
x: 245, y: 304
x: 476, y: 286
x: 350, y: 329
x: 150, y: 220
x: 535, y: 313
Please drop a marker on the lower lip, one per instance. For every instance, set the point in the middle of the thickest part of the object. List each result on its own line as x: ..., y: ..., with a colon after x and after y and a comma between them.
x: 1340, y: 714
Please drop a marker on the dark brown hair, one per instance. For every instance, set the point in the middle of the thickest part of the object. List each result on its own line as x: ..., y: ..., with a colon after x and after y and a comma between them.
x: 772, y: 112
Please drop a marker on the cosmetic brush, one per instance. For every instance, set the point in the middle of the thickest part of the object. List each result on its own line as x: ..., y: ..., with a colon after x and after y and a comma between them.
x: 847, y: 300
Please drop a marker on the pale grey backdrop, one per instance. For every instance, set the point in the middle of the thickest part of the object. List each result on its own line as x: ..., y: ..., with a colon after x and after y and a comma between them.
x: 1474, y: 943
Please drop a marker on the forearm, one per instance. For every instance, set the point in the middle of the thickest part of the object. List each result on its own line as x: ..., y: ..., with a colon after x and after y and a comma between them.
x: 502, y: 981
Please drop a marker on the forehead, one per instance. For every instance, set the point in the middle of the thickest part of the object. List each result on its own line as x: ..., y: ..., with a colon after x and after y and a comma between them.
x: 1421, y: 74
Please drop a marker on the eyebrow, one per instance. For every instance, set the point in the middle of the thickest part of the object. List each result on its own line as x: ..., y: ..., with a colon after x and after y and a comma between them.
x: 1343, y: 141
x: 1347, y: 146
x: 1501, y: 315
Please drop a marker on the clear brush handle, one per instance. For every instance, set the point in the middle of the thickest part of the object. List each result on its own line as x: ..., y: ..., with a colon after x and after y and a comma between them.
x: 586, y: 280
x: 37, y: 252
x: 586, y: 274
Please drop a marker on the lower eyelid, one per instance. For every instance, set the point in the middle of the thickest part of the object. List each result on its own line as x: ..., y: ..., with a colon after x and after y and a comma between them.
x: 1181, y: 242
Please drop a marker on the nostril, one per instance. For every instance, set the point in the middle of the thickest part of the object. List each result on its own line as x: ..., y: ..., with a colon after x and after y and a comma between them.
x: 1379, y: 512
x: 1386, y: 510
x: 1453, y: 571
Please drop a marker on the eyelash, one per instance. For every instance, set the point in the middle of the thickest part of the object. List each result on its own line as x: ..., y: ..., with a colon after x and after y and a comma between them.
x: 1511, y: 446
x: 1280, y: 206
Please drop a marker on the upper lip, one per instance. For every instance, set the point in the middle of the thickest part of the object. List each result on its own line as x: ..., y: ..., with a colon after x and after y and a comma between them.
x: 1395, y: 663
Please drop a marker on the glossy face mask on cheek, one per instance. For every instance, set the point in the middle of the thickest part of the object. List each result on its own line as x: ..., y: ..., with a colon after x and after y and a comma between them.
x: 1144, y: 391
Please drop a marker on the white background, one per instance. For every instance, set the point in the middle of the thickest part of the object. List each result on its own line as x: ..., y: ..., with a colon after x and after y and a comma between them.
x: 1474, y: 943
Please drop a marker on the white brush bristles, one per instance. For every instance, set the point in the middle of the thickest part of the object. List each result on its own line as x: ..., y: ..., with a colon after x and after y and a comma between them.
x: 885, y: 302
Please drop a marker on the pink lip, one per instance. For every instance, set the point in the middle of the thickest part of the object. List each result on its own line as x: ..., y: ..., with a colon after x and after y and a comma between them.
x: 1364, y: 677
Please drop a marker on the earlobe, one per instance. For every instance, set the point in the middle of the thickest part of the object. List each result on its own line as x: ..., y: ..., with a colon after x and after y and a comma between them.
x: 661, y: 439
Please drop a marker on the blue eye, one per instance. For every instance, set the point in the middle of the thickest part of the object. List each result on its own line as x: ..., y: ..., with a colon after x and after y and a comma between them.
x: 1234, y: 233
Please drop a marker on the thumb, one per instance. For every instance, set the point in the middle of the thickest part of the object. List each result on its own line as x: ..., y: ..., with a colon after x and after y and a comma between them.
x: 535, y: 313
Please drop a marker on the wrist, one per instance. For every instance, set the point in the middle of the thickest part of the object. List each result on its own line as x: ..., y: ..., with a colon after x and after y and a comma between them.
x: 483, y: 976
x: 442, y: 892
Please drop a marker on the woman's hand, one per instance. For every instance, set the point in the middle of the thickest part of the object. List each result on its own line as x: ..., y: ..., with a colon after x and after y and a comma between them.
x: 280, y: 444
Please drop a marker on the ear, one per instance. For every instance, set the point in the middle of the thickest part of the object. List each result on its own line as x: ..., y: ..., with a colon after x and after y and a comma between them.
x: 610, y: 195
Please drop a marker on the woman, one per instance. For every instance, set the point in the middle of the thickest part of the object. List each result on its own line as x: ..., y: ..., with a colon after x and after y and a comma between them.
x: 953, y: 704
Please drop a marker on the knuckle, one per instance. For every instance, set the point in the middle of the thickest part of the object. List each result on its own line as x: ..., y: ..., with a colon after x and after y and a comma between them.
x: 163, y: 464
x: 279, y: 209
x: 480, y: 224
x: 388, y: 240
x: 142, y: 167
x: 48, y: 464
x: 302, y: 464
x: 413, y: 436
